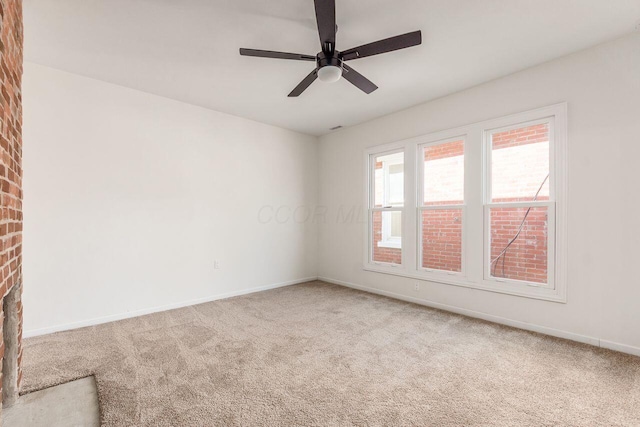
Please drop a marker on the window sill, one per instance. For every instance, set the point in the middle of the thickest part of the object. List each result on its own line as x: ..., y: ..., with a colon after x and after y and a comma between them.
x: 508, y: 288
x: 391, y: 245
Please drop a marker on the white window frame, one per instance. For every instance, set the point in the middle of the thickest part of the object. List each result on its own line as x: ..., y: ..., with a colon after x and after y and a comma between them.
x: 475, y: 249
x: 549, y: 204
x: 422, y: 207
x: 371, y: 208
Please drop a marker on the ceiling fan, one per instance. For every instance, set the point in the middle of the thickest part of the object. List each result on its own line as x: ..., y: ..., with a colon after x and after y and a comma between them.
x: 330, y: 63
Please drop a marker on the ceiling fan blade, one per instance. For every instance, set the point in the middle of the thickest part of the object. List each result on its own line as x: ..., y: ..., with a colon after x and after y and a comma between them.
x: 357, y: 79
x: 326, y: 17
x: 383, y: 46
x: 276, y: 55
x: 304, y: 84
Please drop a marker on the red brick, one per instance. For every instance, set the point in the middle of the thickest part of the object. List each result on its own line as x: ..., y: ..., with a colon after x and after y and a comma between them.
x: 11, y: 42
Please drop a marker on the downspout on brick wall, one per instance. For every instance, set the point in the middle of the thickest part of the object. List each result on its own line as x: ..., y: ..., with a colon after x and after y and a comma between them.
x: 11, y: 45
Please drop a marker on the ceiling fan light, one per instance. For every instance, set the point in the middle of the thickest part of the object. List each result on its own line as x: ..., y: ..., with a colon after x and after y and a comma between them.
x: 329, y: 73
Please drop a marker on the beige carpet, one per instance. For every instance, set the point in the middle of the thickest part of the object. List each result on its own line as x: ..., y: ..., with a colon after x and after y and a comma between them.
x: 319, y: 354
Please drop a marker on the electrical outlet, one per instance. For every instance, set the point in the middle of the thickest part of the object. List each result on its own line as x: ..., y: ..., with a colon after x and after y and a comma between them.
x: 416, y: 286
x: 216, y: 265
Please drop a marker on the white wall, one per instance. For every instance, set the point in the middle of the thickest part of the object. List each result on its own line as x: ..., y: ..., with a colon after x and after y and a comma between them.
x: 602, y: 88
x: 129, y: 198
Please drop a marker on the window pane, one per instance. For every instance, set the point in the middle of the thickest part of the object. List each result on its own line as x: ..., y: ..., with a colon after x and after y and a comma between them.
x: 444, y: 173
x: 519, y: 243
x: 442, y: 239
x: 387, y: 236
x: 520, y: 164
x: 389, y: 180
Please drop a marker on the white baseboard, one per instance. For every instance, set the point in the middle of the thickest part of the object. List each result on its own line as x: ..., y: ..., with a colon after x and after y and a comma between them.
x: 142, y: 312
x: 623, y: 348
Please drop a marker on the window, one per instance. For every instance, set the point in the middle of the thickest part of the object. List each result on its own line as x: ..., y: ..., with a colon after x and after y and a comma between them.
x: 519, y: 207
x: 480, y: 206
x: 386, y: 206
x: 441, y: 207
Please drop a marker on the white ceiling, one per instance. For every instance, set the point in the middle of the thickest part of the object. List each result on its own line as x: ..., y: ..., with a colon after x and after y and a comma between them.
x: 188, y: 49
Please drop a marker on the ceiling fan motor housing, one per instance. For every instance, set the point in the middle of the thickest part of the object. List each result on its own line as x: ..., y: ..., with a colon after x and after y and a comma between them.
x: 323, y: 60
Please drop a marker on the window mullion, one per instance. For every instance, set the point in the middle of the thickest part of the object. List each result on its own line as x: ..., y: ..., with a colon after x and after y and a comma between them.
x: 388, y: 209
x: 437, y: 207
x: 409, y: 231
x: 545, y: 203
x: 474, y: 200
